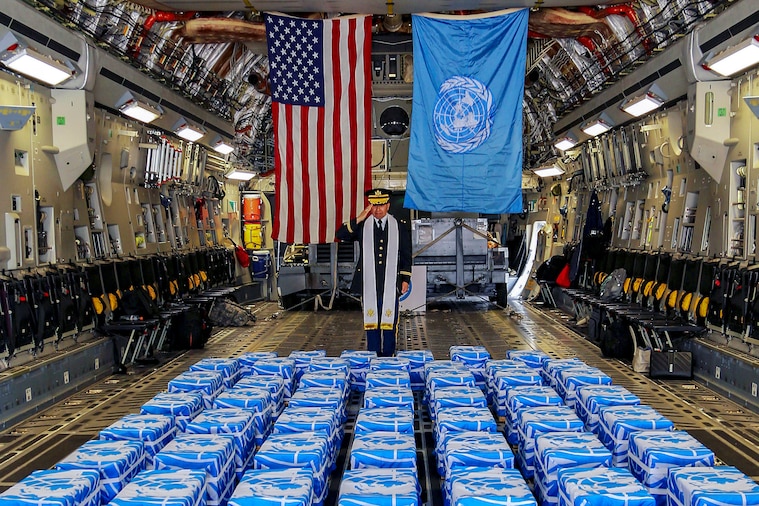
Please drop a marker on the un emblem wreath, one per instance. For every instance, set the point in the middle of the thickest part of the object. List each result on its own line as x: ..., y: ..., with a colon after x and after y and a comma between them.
x: 463, y: 115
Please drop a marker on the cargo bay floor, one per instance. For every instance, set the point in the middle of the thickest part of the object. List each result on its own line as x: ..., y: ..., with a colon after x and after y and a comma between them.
x: 40, y: 441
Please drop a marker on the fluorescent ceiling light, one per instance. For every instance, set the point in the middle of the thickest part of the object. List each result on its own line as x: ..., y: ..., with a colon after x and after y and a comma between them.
x: 188, y: 131
x: 221, y: 146
x: 16, y: 54
x: 138, y: 109
x: 648, y: 101
x: 549, y: 171
x: 736, y: 58
x: 598, y: 125
x: 241, y: 175
x: 567, y: 142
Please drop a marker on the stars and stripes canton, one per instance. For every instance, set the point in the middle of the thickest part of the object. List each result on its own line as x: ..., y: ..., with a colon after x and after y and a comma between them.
x: 296, y: 60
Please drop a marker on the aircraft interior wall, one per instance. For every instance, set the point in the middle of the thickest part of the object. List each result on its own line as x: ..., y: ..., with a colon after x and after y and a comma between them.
x: 111, y: 209
x: 703, y: 216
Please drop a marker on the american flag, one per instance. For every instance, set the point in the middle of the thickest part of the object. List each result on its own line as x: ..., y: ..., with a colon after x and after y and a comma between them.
x: 321, y: 106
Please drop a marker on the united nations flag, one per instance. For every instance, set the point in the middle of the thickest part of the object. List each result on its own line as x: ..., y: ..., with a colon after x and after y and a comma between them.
x: 466, y: 137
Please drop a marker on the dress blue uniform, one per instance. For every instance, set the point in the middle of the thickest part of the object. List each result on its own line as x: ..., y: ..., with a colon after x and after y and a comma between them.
x: 379, y: 340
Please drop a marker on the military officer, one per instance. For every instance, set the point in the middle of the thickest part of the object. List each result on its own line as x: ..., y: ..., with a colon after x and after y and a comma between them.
x: 383, y: 271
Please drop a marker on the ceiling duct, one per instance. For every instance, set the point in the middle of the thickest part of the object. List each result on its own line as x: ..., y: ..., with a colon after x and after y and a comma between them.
x: 105, y: 75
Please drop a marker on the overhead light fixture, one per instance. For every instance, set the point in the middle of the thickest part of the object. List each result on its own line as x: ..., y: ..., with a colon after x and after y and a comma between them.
x: 736, y: 58
x: 188, y: 131
x: 548, y: 171
x: 567, y: 142
x: 138, y: 109
x: 598, y: 125
x: 650, y: 100
x: 19, y: 57
x: 240, y: 175
x: 221, y: 146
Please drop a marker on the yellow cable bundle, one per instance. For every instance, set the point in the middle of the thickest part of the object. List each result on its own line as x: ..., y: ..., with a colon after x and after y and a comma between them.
x: 685, y: 301
x: 659, y: 291
x: 702, y: 308
x: 113, y: 300
x: 696, y: 301
x: 672, y: 299
x: 648, y: 288
x: 98, y: 305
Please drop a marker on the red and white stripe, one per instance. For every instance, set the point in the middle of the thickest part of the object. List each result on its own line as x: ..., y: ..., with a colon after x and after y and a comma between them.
x: 322, y: 154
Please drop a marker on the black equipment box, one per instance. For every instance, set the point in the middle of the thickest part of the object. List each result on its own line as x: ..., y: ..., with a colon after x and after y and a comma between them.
x: 671, y: 364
